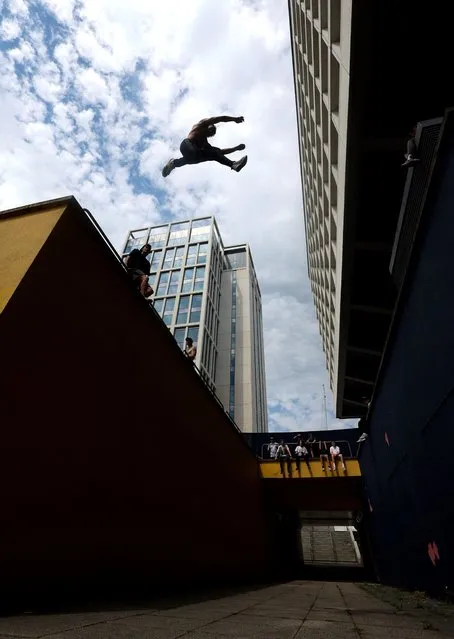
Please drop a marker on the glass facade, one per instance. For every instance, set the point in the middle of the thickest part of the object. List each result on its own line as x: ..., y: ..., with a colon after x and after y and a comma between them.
x: 181, y: 276
x: 236, y: 258
x: 187, y: 263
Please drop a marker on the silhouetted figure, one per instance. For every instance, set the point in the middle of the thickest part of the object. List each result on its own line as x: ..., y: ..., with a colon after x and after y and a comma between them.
x: 284, y: 456
x: 411, y: 155
x: 323, y: 452
x: 139, y: 269
x: 196, y: 148
x: 310, y: 441
x: 272, y: 448
x: 301, y: 453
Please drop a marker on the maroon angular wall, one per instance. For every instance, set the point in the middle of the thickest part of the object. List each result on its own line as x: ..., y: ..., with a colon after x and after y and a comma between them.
x: 116, y: 464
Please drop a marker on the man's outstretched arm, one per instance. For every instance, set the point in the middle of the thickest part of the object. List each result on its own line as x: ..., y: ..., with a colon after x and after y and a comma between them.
x: 222, y: 118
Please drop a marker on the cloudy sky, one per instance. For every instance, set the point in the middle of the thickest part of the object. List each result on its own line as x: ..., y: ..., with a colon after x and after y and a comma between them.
x: 95, y: 96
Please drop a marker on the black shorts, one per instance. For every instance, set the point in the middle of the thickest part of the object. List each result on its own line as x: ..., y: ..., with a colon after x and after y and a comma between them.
x: 194, y: 154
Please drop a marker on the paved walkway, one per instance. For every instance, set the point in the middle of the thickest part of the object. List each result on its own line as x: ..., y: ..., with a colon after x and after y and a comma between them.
x: 295, y: 610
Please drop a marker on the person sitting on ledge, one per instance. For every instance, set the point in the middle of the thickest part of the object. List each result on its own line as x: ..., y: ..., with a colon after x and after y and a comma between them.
x: 139, y: 269
x: 335, y: 454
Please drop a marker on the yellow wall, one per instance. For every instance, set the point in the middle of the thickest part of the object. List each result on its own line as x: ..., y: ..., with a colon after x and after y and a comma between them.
x: 272, y: 470
x: 21, y: 238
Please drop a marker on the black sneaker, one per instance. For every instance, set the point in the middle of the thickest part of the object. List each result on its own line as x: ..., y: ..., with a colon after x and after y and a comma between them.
x: 237, y: 166
x: 168, y: 168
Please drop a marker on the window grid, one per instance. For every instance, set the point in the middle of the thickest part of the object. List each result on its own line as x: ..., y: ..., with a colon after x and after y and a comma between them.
x: 315, y: 35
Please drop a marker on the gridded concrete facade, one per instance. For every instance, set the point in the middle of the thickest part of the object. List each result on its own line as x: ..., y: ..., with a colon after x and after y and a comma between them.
x: 320, y: 34
x: 211, y: 293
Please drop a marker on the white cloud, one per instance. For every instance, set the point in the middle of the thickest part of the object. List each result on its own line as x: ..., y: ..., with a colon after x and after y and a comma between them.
x: 149, y: 71
x: 90, y: 48
x: 22, y: 53
x: 93, y: 86
x: 10, y: 30
x: 48, y: 83
x: 18, y: 7
x: 62, y: 9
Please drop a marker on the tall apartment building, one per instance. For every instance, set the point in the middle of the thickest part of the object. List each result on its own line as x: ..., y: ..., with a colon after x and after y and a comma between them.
x: 210, y: 292
x: 320, y: 33
x: 357, y: 97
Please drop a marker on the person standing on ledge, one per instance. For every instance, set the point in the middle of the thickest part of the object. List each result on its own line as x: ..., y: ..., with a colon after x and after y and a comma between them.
x: 196, y: 148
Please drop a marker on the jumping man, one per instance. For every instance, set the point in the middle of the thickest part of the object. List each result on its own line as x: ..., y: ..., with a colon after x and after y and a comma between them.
x: 196, y: 148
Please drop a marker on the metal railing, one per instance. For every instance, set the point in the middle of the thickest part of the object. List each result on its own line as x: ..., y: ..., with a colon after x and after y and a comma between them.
x: 152, y: 309
x: 342, y: 443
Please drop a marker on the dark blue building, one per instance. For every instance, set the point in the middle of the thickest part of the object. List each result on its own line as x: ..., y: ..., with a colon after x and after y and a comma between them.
x: 407, y: 458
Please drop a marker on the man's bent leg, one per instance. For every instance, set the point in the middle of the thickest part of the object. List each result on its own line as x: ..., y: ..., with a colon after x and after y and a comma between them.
x: 213, y: 154
x: 144, y: 287
x: 341, y: 457
x: 181, y: 162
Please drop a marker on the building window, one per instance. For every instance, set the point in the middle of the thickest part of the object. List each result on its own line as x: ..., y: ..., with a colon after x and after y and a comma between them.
x: 136, y: 239
x: 178, y: 233
x: 169, y: 257
x: 158, y: 236
x: 236, y: 259
x: 203, y: 251
x: 193, y: 331
x: 183, y: 308
x: 173, y: 282
x: 205, y: 350
x: 168, y: 310
x: 199, y: 278
x: 179, y: 334
x: 179, y: 254
x: 168, y: 283
x: 194, y: 279
x: 196, y: 307
x: 192, y: 255
x: 187, y: 281
x: 201, y: 229
x: 163, y: 281
x: 158, y: 304
x: 155, y: 260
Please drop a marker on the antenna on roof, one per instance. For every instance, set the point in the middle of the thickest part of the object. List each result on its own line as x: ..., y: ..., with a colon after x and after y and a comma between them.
x: 324, y: 411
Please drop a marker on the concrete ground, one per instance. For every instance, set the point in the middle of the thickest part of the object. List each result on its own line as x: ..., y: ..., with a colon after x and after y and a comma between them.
x: 294, y: 610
